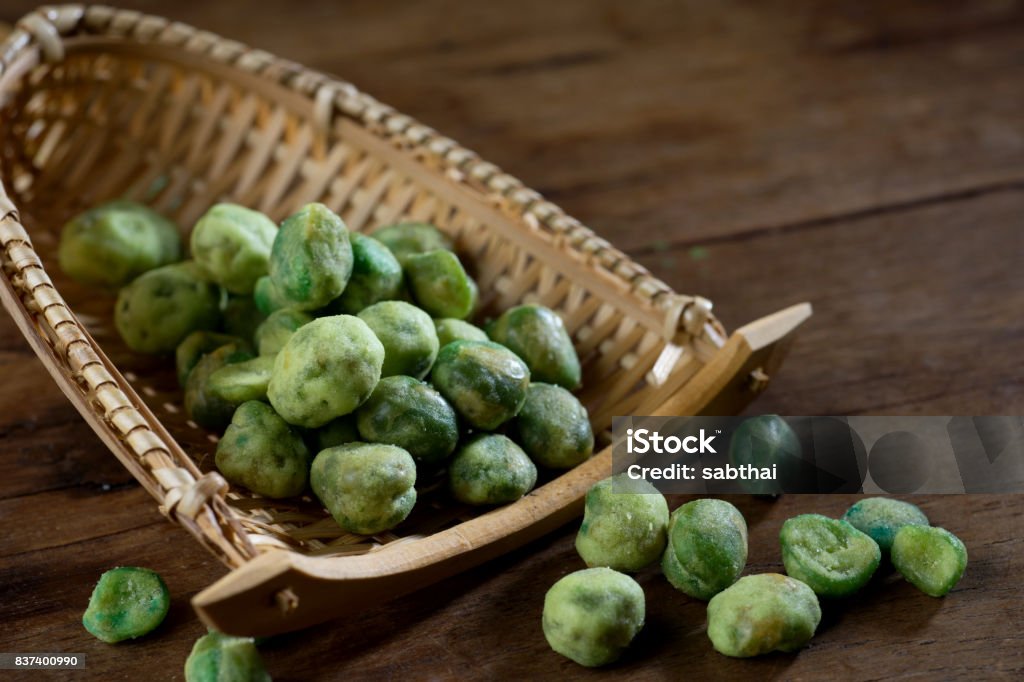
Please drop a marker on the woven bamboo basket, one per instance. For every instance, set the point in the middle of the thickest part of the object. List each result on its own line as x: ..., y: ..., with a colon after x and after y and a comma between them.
x: 100, y: 103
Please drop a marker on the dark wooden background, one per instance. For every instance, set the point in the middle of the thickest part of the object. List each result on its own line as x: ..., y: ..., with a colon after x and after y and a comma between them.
x: 867, y: 156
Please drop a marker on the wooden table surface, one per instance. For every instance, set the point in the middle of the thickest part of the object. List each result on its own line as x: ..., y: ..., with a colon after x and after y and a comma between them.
x: 867, y: 156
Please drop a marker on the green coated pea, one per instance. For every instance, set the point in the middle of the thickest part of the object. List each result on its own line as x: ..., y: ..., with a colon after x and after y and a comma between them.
x: 311, y: 260
x: 204, y: 407
x: 763, y: 613
x: 624, y: 524
x: 241, y: 317
x: 408, y: 336
x: 161, y: 307
x: 126, y: 603
x: 553, y: 427
x: 232, y: 245
x: 490, y: 469
x: 409, y: 413
x: 112, y: 244
x: 279, y: 326
x: 325, y: 370
x: 223, y: 658
x: 406, y: 239
x: 882, y: 517
x: 591, y: 616
x: 832, y: 557
x: 449, y: 329
x: 376, y: 276
x: 195, y: 346
x: 537, y: 335
x: 707, y: 547
x: 440, y: 285
x: 761, y: 442
x: 486, y: 383
x: 932, y: 559
x: 240, y: 382
x: 267, y: 297
x: 367, y: 488
x: 261, y: 452
x: 335, y: 432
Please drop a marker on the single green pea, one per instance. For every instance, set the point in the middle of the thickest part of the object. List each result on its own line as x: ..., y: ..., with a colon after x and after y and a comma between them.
x: 223, y: 658
x: 882, y: 517
x: 931, y: 559
x: 367, y: 488
x: 127, y: 602
x: 832, y: 557
x: 761, y: 442
x: 376, y: 276
x: 408, y: 336
x: 232, y: 245
x: 161, y: 307
x: 241, y: 317
x: 327, y: 369
x: 553, y: 427
x: 490, y: 469
x: 763, y: 613
x: 624, y: 524
x: 707, y: 547
x: 485, y: 382
x: 261, y: 452
x: 113, y: 243
x: 409, y: 413
x: 279, y: 326
x: 267, y: 297
x: 241, y: 382
x: 202, y: 406
x: 440, y: 285
x: 591, y: 616
x: 335, y: 432
x: 449, y: 329
x: 537, y: 335
x: 406, y: 239
x: 195, y: 346
x: 311, y: 260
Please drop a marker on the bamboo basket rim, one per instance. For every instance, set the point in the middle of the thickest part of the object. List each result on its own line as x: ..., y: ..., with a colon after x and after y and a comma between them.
x: 111, y: 405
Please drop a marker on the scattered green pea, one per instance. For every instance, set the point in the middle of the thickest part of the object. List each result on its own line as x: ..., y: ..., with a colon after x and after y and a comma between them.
x: 240, y: 382
x: 490, y: 469
x: 261, y: 452
x: 223, y: 658
x: 440, y: 285
x: 537, y: 335
x: 553, y: 427
x: 591, y: 616
x: 832, y: 557
x: 409, y: 413
x: 127, y: 602
x: 406, y: 239
x: 763, y: 613
x: 376, y: 276
x: 204, y: 407
x: 449, y: 329
x: 279, y: 326
x: 311, y: 260
x: 113, y: 243
x: 932, y: 559
x: 195, y: 346
x: 624, y: 524
x: 408, y: 336
x: 232, y: 245
x: 882, y: 517
x: 762, y: 441
x: 707, y: 547
x: 485, y: 382
x: 367, y: 488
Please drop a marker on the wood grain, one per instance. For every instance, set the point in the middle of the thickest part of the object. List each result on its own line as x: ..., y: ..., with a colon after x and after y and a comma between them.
x: 866, y: 156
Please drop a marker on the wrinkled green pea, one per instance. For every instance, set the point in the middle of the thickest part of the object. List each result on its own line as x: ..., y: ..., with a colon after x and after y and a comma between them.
x: 335, y: 432
x: 407, y: 239
x: 242, y: 381
x: 126, y: 603
x: 376, y: 276
x: 490, y: 469
x: 325, y: 370
x: 311, y: 260
x: 537, y: 335
x: 261, y: 452
x: 760, y: 442
x: 553, y: 427
x: 406, y: 412
x: 486, y: 383
x: 232, y: 245
x: 591, y: 616
x: 624, y: 524
x: 882, y: 517
x: 223, y: 658
x: 408, y: 336
x: 931, y: 559
x: 367, y: 488
x: 241, y: 317
x: 439, y: 284
x: 161, y: 307
x: 203, y: 407
x: 707, y: 547
x: 113, y: 243
x: 832, y: 557
x: 195, y: 346
x: 763, y: 613
x: 279, y: 326
x: 449, y: 329
x: 266, y: 296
